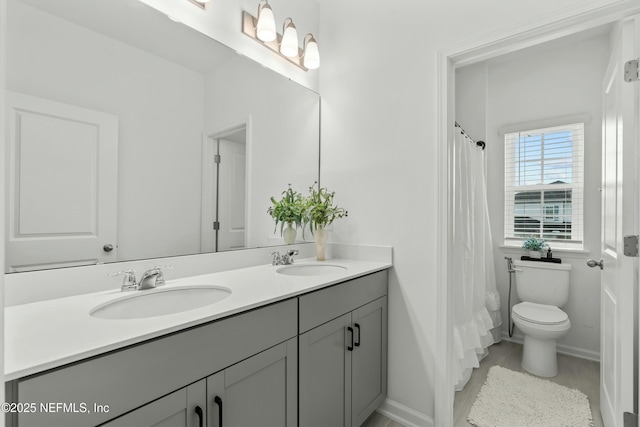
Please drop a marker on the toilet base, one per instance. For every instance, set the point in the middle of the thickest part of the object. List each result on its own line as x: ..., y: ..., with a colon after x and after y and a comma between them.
x: 539, y: 357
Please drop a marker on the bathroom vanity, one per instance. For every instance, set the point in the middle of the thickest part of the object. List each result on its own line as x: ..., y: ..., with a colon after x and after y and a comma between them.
x: 281, y: 350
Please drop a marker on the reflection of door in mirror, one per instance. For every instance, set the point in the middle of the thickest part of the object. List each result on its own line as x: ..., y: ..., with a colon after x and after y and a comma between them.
x: 168, y: 86
x: 62, y: 198
x: 224, y: 190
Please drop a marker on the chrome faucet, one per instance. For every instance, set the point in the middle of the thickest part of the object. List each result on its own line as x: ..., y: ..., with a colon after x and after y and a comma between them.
x: 510, y: 266
x: 151, y: 278
x: 129, y: 282
x: 286, y: 259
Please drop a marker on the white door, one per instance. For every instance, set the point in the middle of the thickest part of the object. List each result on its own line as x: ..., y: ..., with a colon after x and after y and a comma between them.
x: 224, y: 193
x: 231, y: 195
x: 62, y: 195
x: 619, y: 218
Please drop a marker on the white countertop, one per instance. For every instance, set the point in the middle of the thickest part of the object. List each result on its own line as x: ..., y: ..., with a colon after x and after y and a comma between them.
x: 48, y: 334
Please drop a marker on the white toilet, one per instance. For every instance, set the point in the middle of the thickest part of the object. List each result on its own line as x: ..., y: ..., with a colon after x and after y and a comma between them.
x: 543, y: 288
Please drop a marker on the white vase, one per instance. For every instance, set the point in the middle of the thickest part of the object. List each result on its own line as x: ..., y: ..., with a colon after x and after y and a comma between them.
x: 534, y: 254
x: 321, y: 242
x: 289, y: 234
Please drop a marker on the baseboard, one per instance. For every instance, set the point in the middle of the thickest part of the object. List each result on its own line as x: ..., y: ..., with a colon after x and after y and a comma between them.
x: 404, y: 415
x: 561, y: 348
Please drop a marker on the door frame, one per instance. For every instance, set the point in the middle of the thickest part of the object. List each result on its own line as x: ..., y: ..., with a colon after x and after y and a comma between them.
x: 3, y: 172
x: 209, y: 149
x: 549, y: 27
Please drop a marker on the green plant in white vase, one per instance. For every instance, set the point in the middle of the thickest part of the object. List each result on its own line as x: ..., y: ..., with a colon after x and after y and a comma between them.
x: 535, y: 246
x: 288, y: 210
x: 319, y: 213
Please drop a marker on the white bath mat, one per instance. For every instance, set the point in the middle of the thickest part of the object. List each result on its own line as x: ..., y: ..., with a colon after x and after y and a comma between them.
x: 509, y: 399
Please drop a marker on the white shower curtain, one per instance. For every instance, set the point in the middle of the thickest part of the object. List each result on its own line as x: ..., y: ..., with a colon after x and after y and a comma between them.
x: 475, y: 298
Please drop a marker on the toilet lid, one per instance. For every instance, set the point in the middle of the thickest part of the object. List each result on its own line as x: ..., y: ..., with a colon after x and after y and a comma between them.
x: 539, y: 313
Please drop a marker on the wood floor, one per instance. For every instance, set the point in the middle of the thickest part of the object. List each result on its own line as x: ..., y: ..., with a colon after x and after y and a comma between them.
x: 580, y: 374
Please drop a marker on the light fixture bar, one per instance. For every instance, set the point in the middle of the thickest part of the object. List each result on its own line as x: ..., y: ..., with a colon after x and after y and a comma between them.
x: 200, y: 3
x: 249, y: 23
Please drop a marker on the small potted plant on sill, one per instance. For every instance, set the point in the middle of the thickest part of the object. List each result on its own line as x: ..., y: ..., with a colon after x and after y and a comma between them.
x: 288, y: 210
x: 535, y: 246
x: 319, y: 213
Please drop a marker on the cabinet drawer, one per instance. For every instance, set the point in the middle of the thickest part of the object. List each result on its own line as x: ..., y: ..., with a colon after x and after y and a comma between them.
x: 326, y: 304
x: 129, y: 378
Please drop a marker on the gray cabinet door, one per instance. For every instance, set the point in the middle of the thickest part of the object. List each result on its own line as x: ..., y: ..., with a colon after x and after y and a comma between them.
x: 260, y: 391
x: 177, y: 409
x: 369, y: 359
x: 325, y: 375
x: 134, y: 376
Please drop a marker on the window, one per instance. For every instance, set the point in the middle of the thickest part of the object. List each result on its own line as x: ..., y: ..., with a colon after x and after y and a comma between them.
x: 544, y: 185
x: 552, y: 213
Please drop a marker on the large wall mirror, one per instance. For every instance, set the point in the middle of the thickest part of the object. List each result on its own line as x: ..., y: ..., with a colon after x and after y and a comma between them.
x: 131, y: 136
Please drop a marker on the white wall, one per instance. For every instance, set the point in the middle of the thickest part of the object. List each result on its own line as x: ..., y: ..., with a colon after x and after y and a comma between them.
x: 280, y: 114
x: 558, y: 80
x: 221, y: 20
x: 471, y: 88
x: 158, y: 104
x: 379, y: 130
x: 3, y: 62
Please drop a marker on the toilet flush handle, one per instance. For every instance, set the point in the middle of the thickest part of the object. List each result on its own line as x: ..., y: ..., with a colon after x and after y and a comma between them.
x: 593, y: 263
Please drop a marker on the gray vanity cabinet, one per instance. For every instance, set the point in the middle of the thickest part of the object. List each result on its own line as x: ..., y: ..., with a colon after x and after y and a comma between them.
x: 369, y: 360
x: 261, y: 391
x: 318, y: 360
x: 178, y: 409
x: 343, y: 359
x: 131, y: 380
x: 325, y: 395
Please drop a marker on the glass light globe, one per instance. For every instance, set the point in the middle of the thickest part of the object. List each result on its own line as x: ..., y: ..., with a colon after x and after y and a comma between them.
x: 311, y: 54
x: 289, y: 43
x: 266, y: 27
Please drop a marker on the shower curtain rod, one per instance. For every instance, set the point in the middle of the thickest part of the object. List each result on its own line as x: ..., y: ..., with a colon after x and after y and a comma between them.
x: 478, y: 143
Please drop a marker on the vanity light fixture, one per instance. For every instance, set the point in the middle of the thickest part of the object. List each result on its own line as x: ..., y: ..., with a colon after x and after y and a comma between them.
x: 266, y: 25
x: 289, y: 43
x: 200, y: 3
x: 311, y: 54
x: 262, y: 29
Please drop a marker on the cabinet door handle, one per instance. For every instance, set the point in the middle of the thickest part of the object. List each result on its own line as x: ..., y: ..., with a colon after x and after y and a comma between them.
x: 357, y: 344
x: 218, y: 401
x: 200, y: 416
x: 350, y: 329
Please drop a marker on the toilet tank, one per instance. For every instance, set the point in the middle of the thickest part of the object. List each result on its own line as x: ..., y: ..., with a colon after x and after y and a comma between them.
x: 542, y: 282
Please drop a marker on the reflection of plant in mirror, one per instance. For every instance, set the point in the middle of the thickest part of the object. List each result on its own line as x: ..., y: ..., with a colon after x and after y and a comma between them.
x: 534, y: 244
x: 288, y: 210
x: 320, y: 210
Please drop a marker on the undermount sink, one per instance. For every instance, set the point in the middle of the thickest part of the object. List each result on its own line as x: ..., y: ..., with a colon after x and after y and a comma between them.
x: 160, y: 302
x: 310, y: 269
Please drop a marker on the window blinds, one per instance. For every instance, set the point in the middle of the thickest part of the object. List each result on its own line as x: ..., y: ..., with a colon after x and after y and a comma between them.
x: 544, y: 184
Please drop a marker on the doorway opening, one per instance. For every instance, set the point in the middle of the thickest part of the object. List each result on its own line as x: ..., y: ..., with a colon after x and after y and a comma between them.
x: 449, y: 62
x: 224, y: 191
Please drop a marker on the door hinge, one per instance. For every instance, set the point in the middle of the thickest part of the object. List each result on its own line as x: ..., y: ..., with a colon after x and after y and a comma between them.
x: 631, y: 72
x: 216, y: 225
x: 629, y: 419
x: 216, y: 158
x: 631, y: 246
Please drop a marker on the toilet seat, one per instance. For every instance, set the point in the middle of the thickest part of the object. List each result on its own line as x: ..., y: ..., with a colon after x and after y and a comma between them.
x: 540, y: 314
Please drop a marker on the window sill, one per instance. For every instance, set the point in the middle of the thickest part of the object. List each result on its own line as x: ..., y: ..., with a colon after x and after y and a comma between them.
x: 566, y: 252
